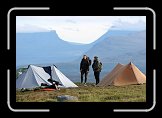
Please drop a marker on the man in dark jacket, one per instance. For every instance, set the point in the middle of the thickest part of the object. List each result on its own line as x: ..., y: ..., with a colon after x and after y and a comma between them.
x: 97, y: 66
x: 84, y: 68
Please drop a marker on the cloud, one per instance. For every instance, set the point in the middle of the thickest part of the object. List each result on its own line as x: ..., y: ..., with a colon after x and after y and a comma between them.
x: 129, y: 24
x: 30, y: 28
x: 72, y: 29
x: 70, y: 21
x: 81, y: 29
x: 83, y: 33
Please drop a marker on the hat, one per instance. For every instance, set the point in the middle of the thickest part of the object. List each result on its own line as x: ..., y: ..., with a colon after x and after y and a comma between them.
x: 95, y: 57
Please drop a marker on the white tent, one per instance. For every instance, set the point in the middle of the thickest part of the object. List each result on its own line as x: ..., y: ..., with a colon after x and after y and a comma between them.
x: 34, y: 76
x: 61, y: 78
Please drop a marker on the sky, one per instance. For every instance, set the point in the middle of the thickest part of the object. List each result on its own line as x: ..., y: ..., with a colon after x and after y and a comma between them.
x: 79, y: 29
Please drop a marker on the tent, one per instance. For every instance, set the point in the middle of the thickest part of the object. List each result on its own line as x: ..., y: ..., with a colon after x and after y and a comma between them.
x: 35, y: 75
x: 123, y: 75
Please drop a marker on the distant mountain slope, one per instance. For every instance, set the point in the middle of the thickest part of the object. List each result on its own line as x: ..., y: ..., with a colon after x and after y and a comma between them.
x: 45, y: 47
x: 123, y: 44
x: 113, y: 47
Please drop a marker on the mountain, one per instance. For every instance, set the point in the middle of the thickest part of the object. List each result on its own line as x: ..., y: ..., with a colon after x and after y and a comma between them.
x: 121, y: 47
x: 111, y: 33
x: 45, y: 47
x: 115, y: 46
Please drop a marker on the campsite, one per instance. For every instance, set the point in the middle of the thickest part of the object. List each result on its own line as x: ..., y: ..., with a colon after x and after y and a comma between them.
x: 125, y: 83
x: 54, y: 56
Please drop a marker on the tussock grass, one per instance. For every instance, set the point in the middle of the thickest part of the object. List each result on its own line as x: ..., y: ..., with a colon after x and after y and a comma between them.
x: 89, y: 93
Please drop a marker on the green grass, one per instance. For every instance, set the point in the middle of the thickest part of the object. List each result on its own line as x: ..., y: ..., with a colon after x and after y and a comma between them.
x: 89, y: 93
x: 20, y: 70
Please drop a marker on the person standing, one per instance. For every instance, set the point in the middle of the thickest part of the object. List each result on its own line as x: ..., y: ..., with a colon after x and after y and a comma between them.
x: 84, y: 68
x: 97, y: 67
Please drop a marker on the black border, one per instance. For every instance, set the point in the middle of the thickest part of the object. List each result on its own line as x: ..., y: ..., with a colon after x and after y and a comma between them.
x: 86, y: 106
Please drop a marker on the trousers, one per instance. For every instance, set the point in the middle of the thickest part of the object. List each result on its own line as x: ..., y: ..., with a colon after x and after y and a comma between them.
x: 82, y: 74
x: 97, y: 76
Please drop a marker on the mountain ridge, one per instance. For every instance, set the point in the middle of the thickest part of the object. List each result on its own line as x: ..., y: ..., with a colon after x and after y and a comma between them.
x: 59, y: 51
x: 36, y: 47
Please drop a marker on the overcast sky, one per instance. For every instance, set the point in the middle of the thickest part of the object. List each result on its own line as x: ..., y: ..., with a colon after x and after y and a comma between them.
x: 80, y: 29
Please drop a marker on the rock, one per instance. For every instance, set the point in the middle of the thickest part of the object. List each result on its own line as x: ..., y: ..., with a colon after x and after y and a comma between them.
x: 63, y: 98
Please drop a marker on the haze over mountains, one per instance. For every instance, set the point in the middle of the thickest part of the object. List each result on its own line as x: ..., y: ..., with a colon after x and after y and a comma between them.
x: 45, y: 47
x: 115, y: 46
x: 120, y: 46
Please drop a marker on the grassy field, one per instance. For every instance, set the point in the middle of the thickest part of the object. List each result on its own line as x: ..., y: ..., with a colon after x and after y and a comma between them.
x: 89, y: 93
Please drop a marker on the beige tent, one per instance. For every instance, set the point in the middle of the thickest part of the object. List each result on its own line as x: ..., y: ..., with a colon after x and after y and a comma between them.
x: 123, y: 75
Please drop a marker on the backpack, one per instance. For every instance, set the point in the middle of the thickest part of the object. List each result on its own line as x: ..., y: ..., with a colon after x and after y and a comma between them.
x: 97, y: 66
